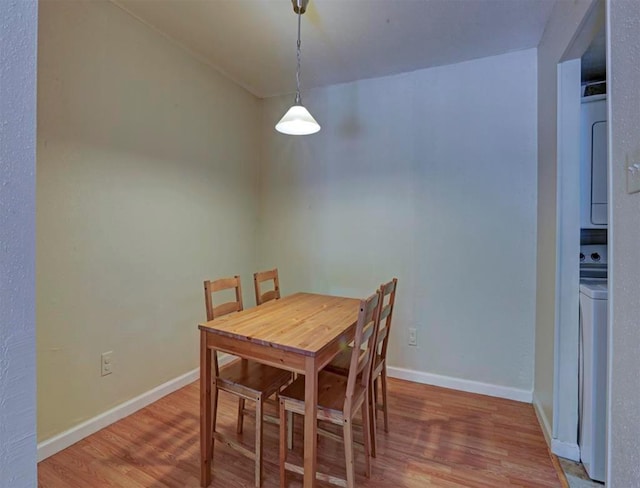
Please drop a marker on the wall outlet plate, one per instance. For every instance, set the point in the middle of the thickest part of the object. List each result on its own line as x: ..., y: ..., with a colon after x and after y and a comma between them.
x: 413, y: 337
x: 106, y: 363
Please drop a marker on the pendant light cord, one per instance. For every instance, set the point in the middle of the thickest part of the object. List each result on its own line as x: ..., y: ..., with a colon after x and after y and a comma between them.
x: 298, y: 97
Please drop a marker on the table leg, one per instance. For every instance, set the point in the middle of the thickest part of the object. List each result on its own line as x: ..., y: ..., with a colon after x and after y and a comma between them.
x: 310, y: 422
x: 205, y: 411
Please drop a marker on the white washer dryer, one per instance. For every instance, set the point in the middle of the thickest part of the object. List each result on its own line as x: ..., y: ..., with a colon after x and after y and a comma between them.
x: 593, y: 372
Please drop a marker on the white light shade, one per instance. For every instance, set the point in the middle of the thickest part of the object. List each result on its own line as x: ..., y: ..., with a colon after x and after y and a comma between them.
x: 298, y: 122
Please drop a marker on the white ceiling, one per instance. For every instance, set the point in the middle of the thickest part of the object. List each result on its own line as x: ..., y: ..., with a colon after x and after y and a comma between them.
x: 253, y: 41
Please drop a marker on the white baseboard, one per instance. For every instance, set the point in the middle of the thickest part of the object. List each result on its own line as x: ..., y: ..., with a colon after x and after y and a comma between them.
x: 566, y: 450
x: 460, y: 384
x: 560, y: 448
x: 542, y: 420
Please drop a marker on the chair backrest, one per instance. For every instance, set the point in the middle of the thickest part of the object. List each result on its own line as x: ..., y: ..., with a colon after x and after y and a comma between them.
x: 211, y: 287
x: 215, y: 311
x: 271, y: 294
x: 388, y: 299
x: 363, y: 344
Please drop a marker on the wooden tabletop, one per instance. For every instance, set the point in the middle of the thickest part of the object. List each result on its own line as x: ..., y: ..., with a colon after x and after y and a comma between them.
x: 303, y: 322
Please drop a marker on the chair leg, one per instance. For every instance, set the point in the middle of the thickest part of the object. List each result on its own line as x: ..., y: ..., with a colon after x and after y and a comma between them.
x: 240, y: 415
x: 348, y: 453
x: 283, y: 447
x: 371, y: 407
x: 290, y: 430
x: 259, y: 406
x: 366, y: 432
x: 375, y: 390
x: 214, y: 414
x: 385, y: 404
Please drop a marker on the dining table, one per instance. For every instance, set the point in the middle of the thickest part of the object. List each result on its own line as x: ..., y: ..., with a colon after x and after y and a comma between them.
x: 301, y: 333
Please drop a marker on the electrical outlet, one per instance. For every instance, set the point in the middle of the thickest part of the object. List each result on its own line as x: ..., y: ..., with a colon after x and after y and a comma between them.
x: 413, y: 337
x: 107, y: 363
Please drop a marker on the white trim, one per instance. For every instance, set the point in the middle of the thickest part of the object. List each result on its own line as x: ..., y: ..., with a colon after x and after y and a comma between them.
x: 560, y: 448
x: 565, y: 450
x: 566, y: 341
x: 65, y: 439
x: 460, y: 384
x: 542, y: 420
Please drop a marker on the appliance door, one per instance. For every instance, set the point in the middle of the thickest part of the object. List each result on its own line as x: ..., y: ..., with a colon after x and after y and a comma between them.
x: 599, y: 180
x: 593, y: 163
x: 593, y: 385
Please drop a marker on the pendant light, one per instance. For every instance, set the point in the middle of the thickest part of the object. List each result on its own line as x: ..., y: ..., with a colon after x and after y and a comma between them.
x: 298, y: 121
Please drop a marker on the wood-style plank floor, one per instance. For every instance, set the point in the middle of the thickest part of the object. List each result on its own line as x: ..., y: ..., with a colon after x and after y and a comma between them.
x: 438, y: 438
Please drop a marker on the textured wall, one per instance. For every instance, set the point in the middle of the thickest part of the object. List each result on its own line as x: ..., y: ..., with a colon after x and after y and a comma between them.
x: 428, y: 176
x: 624, y: 244
x: 18, y: 29
x: 146, y: 186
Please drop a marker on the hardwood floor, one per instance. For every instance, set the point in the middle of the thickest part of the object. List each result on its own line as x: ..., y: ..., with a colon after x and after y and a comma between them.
x: 438, y: 438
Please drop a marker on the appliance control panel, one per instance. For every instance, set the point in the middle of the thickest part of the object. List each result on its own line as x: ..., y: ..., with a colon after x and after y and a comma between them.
x: 593, y: 254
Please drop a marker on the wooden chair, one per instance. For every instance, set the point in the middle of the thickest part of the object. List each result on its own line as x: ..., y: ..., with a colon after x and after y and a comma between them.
x: 272, y: 294
x: 339, y: 397
x: 340, y: 364
x: 248, y: 380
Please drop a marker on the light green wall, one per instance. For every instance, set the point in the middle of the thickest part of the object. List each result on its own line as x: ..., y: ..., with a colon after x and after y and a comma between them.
x: 428, y: 176
x: 146, y: 186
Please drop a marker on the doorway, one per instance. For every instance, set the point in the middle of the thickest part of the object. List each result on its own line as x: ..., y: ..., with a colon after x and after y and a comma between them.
x: 580, y: 73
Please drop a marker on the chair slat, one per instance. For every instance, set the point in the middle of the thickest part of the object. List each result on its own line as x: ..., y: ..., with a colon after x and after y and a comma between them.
x: 225, y: 308
x: 224, y: 284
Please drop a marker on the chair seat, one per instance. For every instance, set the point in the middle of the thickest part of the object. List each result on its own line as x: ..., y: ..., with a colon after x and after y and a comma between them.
x: 332, y: 389
x: 253, y: 377
x: 340, y: 364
